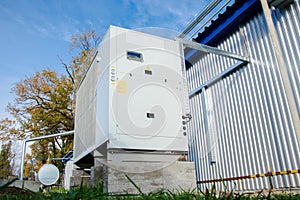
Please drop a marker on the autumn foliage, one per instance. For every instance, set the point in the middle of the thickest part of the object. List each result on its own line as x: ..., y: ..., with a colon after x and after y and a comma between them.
x: 45, y: 103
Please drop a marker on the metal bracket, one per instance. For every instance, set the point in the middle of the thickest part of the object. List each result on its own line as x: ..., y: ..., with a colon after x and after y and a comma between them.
x: 209, y: 49
x: 241, y: 60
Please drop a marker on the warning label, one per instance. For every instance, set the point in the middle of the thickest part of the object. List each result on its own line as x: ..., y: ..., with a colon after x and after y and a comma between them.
x: 122, y: 87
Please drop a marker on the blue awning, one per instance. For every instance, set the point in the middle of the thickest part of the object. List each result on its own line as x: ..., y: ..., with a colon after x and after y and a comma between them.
x: 234, y: 15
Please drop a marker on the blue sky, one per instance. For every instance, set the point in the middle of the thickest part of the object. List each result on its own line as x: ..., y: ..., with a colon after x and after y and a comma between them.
x: 34, y: 32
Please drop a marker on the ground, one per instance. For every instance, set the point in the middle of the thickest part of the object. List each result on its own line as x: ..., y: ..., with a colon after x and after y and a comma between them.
x: 15, y: 191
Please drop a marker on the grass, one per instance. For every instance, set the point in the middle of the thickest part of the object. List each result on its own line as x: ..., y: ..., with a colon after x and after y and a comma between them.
x: 96, y: 192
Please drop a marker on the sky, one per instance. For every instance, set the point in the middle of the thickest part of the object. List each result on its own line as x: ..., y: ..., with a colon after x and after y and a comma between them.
x: 35, y: 32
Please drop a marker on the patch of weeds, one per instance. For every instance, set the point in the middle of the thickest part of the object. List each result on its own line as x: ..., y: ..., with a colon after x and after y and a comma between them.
x: 83, y: 192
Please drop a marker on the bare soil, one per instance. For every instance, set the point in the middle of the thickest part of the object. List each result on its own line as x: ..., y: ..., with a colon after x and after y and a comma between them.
x: 15, y: 191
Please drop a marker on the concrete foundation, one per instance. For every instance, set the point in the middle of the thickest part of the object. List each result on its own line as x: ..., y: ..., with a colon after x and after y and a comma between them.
x: 97, y: 175
x: 177, y: 176
x: 80, y: 177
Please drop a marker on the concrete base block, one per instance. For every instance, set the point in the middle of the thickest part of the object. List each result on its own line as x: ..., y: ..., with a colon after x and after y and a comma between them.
x: 80, y: 177
x: 177, y: 176
x: 99, y: 175
x: 147, y: 182
x: 180, y: 176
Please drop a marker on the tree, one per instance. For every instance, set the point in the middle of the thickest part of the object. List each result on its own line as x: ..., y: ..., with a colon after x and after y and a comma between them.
x: 9, y: 133
x: 85, y: 44
x: 31, y: 165
x: 5, y: 159
x: 8, y: 130
x: 45, y: 101
x: 44, y: 106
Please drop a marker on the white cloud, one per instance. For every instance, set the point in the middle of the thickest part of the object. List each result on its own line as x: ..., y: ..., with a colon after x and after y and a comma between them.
x: 62, y: 20
x: 48, y: 25
x: 89, y: 22
x: 168, y: 13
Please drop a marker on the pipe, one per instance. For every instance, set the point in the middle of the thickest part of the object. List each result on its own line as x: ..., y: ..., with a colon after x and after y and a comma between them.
x: 268, y: 174
x: 34, y: 139
x: 22, y: 159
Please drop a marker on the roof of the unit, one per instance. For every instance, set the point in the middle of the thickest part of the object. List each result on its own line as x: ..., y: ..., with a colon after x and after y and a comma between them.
x: 226, y: 21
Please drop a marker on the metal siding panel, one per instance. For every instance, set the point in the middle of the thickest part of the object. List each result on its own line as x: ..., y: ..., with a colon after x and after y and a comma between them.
x: 288, y: 28
x: 252, y: 120
x: 262, y: 80
x: 85, y: 124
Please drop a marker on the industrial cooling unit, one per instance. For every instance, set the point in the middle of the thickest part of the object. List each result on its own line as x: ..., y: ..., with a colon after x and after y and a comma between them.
x: 132, y: 101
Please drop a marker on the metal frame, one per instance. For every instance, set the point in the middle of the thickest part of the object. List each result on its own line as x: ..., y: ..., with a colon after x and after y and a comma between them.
x: 35, y: 139
x: 241, y: 61
x: 209, y: 49
x: 209, y: 141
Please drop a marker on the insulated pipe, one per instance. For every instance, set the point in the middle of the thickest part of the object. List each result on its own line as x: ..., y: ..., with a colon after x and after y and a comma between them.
x: 283, y: 70
x: 34, y: 139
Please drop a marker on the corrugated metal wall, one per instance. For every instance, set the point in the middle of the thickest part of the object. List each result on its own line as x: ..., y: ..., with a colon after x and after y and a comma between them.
x: 241, y: 125
x: 288, y: 29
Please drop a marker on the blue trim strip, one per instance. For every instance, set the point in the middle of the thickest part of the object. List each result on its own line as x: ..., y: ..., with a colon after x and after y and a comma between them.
x: 239, y: 12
